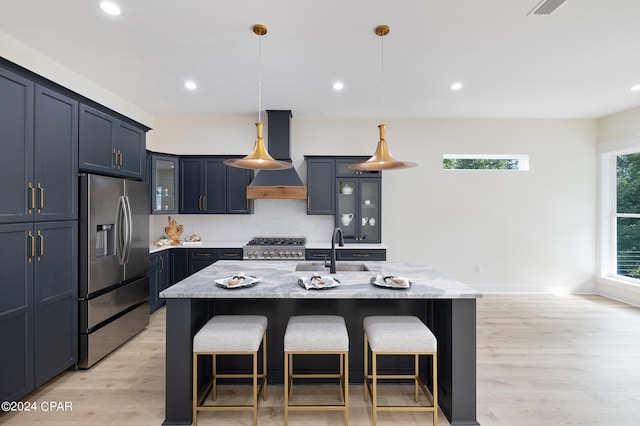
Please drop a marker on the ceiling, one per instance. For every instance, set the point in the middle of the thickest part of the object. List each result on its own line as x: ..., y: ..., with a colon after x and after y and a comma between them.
x: 578, y: 62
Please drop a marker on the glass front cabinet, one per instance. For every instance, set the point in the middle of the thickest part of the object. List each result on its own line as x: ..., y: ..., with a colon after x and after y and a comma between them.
x: 164, y: 184
x: 358, y: 204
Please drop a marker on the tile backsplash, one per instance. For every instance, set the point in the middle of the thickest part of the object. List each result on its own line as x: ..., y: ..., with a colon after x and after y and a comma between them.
x: 271, y: 218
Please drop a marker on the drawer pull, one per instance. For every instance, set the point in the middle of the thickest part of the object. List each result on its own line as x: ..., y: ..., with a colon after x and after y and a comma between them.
x: 202, y: 254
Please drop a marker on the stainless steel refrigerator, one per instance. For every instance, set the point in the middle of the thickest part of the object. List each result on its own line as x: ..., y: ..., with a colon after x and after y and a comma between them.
x: 114, y: 264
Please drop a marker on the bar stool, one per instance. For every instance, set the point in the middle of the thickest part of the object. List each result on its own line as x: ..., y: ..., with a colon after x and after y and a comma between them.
x: 316, y: 334
x: 230, y: 335
x: 399, y: 335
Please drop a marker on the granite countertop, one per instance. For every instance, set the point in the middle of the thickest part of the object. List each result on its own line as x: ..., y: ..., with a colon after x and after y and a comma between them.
x: 278, y: 279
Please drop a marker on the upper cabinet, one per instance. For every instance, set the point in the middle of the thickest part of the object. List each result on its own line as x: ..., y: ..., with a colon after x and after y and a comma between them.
x: 39, y: 129
x: 109, y: 145
x: 353, y: 197
x: 208, y: 186
x: 164, y: 183
x: 320, y: 185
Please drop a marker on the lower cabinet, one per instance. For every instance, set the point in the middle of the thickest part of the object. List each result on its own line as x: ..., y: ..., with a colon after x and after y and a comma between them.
x: 38, y: 304
x: 167, y: 267
x: 159, y: 274
x: 347, y: 254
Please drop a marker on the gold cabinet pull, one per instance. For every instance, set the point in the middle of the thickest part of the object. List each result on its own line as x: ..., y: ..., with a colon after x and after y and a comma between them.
x: 360, y: 255
x: 41, y: 238
x: 33, y: 197
x: 229, y: 254
x: 115, y: 159
x: 41, y: 191
x: 204, y: 202
x: 202, y: 254
x: 33, y: 246
x: 308, y: 202
x: 120, y: 161
x: 162, y: 264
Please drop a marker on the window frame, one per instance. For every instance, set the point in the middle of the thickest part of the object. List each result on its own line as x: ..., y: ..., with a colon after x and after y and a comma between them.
x: 607, y: 223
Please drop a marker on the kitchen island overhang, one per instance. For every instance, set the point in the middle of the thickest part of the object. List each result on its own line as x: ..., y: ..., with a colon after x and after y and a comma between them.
x: 446, y: 305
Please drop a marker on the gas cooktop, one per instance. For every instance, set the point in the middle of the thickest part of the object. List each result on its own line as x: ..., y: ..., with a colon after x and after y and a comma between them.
x: 272, y: 248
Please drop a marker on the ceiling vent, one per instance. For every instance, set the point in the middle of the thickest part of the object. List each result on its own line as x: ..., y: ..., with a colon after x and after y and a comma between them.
x: 545, y: 7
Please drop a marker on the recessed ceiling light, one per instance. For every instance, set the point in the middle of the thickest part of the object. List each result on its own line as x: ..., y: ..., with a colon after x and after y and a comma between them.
x: 338, y: 85
x: 456, y: 86
x: 110, y: 7
x: 636, y: 88
x: 191, y: 85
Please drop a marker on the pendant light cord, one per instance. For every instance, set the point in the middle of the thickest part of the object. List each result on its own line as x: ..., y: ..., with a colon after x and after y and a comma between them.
x: 382, y: 74
x: 259, y: 78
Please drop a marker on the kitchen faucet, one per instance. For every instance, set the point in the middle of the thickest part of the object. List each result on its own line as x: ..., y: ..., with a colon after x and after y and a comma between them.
x: 336, y: 232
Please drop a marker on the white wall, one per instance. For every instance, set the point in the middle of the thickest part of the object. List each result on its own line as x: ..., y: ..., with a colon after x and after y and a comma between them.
x: 23, y: 55
x: 523, y: 231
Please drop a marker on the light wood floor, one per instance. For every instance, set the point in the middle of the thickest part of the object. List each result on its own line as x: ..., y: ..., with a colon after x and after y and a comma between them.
x: 542, y: 360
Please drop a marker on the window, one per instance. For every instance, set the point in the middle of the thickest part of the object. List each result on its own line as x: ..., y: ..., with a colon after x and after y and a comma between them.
x: 628, y: 215
x: 485, y: 162
x: 620, y: 206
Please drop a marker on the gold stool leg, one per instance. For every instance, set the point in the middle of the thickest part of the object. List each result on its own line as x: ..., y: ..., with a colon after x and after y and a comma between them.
x: 434, y: 363
x: 366, y: 367
x: 374, y: 385
x: 215, y: 376
x: 286, y: 388
x: 416, y: 369
x: 346, y: 387
x: 194, y: 397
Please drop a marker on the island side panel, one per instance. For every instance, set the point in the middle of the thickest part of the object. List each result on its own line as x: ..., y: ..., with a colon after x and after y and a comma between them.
x: 454, y: 324
x: 184, y: 318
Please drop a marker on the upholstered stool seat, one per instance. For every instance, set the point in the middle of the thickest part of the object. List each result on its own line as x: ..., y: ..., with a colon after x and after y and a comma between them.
x: 230, y: 335
x: 399, y: 335
x: 316, y: 334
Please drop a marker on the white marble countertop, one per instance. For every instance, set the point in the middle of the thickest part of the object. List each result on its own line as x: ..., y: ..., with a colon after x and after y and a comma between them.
x: 278, y: 279
x: 240, y: 244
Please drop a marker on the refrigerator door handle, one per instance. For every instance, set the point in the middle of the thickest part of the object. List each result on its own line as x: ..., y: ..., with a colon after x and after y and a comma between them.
x: 128, y: 229
x: 121, y: 230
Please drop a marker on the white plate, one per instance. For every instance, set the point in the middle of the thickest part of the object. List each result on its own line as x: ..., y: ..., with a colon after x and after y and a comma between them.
x: 228, y: 282
x: 310, y: 283
x: 380, y: 281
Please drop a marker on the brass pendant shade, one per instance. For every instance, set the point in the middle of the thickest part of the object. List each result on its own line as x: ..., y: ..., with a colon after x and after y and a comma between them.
x: 382, y: 159
x: 259, y: 158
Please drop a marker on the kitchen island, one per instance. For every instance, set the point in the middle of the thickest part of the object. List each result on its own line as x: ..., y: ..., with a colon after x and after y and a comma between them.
x: 447, y: 306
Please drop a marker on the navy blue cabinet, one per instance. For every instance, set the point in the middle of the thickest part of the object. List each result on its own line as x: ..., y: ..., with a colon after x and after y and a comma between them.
x: 38, y: 304
x: 38, y: 167
x: 353, y: 197
x: 321, y: 174
x: 38, y: 230
x: 208, y: 186
x: 111, y: 146
x: 159, y: 274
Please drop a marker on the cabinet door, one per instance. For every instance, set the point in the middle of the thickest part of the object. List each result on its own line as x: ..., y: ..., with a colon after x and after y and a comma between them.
x: 179, y: 265
x: 16, y: 140
x: 130, y: 148
x: 347, y: 213
x: 215, y: 183
x: 165, y: 270
x: 191, y: 185
x: 236, y: 188
x: 16, y: 311
x: 320, y: 186
x: 55, y: 299
x: 56, y: 156
x: 164, y: 184
x: 97, y: 141
x: 369, y: 207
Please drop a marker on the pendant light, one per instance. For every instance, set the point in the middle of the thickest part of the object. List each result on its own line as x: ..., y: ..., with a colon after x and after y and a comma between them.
x: 382, y: 159
x: 259, y: 158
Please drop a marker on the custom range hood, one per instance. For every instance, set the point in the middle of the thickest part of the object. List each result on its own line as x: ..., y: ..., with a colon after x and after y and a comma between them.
x: 278, y: 184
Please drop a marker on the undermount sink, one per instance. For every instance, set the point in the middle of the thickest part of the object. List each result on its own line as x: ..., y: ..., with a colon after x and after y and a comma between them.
x: 340, y: 267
